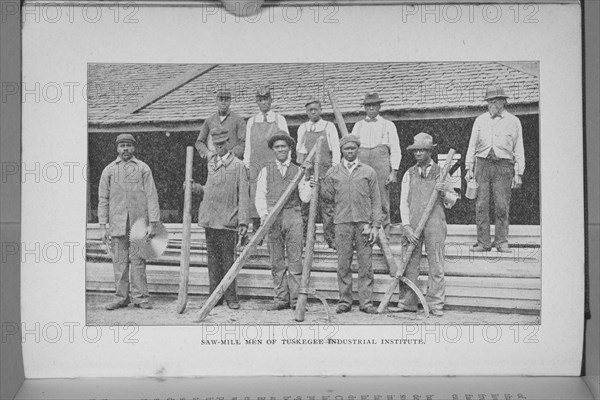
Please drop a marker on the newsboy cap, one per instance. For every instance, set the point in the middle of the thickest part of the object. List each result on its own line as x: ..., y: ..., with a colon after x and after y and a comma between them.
x: 125, y: 137
x: 281, y: 135
x: 311, y: 100
x: 263, y: 91
x: 349, y: 138
x: 422, y: 141
x: 219, y: 135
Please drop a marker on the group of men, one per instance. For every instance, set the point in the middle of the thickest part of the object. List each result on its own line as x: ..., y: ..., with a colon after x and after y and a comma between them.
x: 250, y: 166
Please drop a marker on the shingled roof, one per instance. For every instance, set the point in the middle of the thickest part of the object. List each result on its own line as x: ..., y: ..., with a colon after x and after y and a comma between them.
x: 114, y: 89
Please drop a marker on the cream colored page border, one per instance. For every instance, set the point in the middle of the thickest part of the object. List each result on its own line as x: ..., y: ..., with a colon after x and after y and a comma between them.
x: 53, y: 290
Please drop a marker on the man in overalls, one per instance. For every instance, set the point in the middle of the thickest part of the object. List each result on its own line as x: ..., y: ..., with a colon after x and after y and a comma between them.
x: 257, y: 154
x: 308, y: 133
x: 418, y: 184
x: 380, y: 149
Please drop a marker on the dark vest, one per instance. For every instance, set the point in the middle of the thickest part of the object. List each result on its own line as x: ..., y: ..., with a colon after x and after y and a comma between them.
x: 419, y: 194
x: 276, y: 185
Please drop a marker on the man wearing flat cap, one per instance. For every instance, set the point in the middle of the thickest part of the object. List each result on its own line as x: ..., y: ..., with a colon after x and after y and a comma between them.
x: 227, y: 119
x: 496, y: 158
x: 380, y: 149
x: 285, y: 236
x: 308, y: 133
x: 223, y: 211
x: 352, y: 186
x: 126, y: 194
x: 418, y: 183
x: 258, y: 131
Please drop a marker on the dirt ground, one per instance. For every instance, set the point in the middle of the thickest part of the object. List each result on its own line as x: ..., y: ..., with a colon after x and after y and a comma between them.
x: 253, y: 311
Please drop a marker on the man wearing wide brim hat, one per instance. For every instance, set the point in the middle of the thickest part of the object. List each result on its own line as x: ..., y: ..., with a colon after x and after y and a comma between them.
x: 126, y: 194
x: 380, y: 149
x: 496, y: 159
x: 259, y: 129
x: 233, y: 123
x: 418, y: 183
x: 223, y: 211
x: 285, y: 235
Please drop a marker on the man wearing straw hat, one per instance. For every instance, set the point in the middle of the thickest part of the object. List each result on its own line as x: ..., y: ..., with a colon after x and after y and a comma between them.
x: 308, y: 133
x: 126, y: 194
x: 230, y: 121
x: 380, y: 149
x: 285, y: 235
x: 257, y: 154
x: 352, y: 187
x: 223, y: 211
x: 496, y: 159
x: 418, y: 184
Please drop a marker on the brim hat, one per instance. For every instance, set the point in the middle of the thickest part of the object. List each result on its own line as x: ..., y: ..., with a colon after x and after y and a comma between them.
x: 219, y: 135
x: 224, y: 94
x: 281, y: 135
x: 422, y: 141
x: 349, y: 139
x: 372, y: 98
x: 494, y: 92
x: 125, y: 137
x: 263, y: 91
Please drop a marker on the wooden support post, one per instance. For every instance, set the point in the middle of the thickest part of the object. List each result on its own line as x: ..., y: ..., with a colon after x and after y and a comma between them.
x: 338, y: 114
x: 309, y: 250
x: 235, y: 269
x: 186, y: 233
x: 406, y: 257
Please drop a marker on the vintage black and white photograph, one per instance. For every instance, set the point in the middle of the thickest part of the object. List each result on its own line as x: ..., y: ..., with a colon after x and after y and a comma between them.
x: 342, y: 193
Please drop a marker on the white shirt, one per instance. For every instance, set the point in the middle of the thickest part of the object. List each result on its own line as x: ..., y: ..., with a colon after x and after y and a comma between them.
x: 260, y: 201
x: 382, y: 131
x: 333, y: 139
x: 220, y: 161
x: 272, y: 116
x: 346, y: 163
x: 448, y: 200
x: 502, y: 133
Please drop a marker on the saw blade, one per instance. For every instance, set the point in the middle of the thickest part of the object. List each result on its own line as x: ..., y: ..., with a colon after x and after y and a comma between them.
x: 146, y: 247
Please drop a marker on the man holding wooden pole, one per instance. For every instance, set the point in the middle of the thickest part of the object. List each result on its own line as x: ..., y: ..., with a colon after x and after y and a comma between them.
x: 223, y: 211
x: 418, y: 184
x: 352, y: 186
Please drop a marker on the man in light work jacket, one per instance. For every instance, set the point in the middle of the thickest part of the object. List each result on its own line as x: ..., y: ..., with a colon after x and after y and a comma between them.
x: 257, y: 153
x: 352, y: 186
x: 230, y: 121
x: 380, y: 149
x: 127, y: 193
x: 497, y: 160
x: 418, y: 184
x: 308, y: 133
x: 223, y: 211
x: 285, y: 236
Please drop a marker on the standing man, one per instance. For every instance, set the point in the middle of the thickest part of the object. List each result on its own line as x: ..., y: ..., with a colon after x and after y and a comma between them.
x: 285, y: 236
x: 257, y: 153
x: 352, y: 187
x: 380, y: 149
x: 497, y: 160
x: 308, y: 133
x: 223, y: 211
x: 127, y: 193
x: 230, y: 121
x: 418, y: 184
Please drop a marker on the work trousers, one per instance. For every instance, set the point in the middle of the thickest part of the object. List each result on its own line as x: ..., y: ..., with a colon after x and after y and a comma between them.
x: 325, y: 210
x: 220, y: 246
x: 285, y: 239
x: 434, y: 237
x: 126, y: 260
x: 348, y: 237
x: 493, y: 175
x: 378, y: 158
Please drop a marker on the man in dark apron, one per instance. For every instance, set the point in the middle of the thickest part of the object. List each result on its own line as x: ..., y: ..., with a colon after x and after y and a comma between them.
x: 380, y: 149
x: 308, y: 133
x: 257, y: 153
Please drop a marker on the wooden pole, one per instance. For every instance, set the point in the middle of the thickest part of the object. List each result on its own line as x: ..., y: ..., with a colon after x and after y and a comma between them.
x: 406, y: 257
x: 310, y: 238
x: 338, y: 114
x: 250, y: 248
x: 184, y: 264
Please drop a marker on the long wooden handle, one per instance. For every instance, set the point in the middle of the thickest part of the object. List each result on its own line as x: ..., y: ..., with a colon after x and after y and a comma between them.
x: 310, y: 238
x: 250, y: 248
x: 184, y: 265
x: 406, y: 257
x: 338, y: 114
